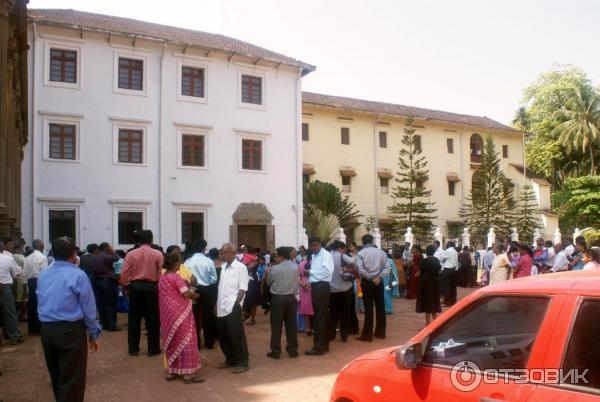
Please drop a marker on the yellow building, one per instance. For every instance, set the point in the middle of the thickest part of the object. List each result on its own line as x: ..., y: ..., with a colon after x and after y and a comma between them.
x: 354, y: 144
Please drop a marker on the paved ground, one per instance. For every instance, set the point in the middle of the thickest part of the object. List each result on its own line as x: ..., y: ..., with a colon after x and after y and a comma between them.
x: 114, y: 376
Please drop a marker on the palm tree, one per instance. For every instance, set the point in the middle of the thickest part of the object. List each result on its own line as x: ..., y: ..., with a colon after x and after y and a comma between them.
x: 521, y: 120
x: 579, y: 127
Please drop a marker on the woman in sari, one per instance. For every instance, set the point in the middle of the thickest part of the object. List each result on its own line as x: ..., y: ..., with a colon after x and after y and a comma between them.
x: 177, y: 327
x: 525, y: 263
x: 390, y: 283
x: 501, y: 266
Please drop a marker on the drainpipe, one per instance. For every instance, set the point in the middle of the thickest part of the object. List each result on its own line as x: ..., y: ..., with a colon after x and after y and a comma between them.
x: 376, y: 186
x: 524, y: 162
x: 298, y: 122
x: 462, y: 169
x: 32, y: 139
x: 160, y: 131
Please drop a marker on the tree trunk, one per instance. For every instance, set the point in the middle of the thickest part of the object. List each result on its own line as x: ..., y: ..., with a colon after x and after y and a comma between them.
x: 592, y: 160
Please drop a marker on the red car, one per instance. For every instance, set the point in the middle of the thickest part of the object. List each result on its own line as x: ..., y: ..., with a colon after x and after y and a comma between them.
x: 535, y: 339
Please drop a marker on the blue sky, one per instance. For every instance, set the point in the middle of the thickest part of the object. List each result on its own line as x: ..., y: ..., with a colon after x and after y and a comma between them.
x: 464, y: 56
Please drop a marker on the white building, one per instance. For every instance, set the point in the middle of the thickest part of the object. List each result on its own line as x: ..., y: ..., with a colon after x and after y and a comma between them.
x: 137, y: 125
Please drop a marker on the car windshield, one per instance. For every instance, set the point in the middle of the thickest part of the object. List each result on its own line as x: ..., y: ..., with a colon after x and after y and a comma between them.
x: 494, y: 332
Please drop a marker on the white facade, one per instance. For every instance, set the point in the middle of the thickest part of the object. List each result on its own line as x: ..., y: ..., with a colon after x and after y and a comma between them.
x: 97, y: 186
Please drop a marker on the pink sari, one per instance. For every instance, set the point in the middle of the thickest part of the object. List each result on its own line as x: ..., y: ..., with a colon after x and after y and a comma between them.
x: 177, y: 327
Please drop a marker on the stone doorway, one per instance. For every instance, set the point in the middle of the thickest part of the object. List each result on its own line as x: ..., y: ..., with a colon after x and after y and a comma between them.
x: 252, y: 226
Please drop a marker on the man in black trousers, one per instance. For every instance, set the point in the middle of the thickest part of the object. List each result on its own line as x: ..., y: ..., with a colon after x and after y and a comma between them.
x: 373, y: 265
x: 321, y: 271
x: 283, y: 280
x: 67, y: 311
x: 105, y: 283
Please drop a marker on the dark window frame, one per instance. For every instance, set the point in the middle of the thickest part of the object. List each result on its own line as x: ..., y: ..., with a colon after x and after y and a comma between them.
x: 62, y: 136
x: 345, y: 135
x: 133, y: 226
x: 450, y: 145
x: 187, y: 226
x: 417, y: 143
x: 382, y: 139
x: 66, y: 58
x: 505, y: 151
x: 476, y: 148
x: 63, y: 217
x: 252, y: 154
x: 384, y: 182
x: 195, y: 76
x: 129, y: 66
x: 305, y: 132
x: 249, y: 85
x: 126, y: 137
x: 347, y: 179
x: 451, y: 187
x: 195, y: 148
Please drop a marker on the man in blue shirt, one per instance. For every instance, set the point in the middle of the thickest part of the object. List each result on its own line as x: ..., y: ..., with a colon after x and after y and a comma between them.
x: 203, y: 269
x: 67, y: 311
x: 321, y: 272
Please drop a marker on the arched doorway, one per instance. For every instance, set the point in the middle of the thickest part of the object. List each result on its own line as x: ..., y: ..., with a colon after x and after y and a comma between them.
x: 252, y: 226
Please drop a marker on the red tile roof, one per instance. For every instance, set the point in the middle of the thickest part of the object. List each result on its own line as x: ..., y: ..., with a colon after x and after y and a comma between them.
x: 360, y: 105
x: 107, y: 23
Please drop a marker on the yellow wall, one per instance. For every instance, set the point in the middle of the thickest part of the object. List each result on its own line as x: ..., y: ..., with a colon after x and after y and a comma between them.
x: 325, y: 152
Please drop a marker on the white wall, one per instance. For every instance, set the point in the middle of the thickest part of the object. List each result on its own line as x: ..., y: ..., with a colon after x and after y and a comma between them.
x: 95, y: 180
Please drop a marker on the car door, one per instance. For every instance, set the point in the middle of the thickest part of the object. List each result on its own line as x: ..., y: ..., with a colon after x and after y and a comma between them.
x: 576, y: 349
x: 492, y: 332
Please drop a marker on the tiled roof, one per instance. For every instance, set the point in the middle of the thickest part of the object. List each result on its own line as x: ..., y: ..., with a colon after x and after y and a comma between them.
x: 530, y: 175
x: 361, y: 105
x: 99, y: 22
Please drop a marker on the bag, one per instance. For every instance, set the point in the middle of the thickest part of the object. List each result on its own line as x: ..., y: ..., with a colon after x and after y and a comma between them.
x: 346, y: 272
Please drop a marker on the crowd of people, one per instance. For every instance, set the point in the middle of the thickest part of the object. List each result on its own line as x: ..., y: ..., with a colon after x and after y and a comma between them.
x: 189, y: 299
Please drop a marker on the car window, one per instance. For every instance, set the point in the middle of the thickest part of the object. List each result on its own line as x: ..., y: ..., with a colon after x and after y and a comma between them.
x: 583, y: 350
x: 494, y: 332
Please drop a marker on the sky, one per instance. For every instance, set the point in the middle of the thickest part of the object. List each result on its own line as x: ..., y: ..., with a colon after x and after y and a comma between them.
x: 464, y: 56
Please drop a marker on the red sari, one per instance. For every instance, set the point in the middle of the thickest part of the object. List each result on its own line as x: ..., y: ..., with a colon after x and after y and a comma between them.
x: 177, y: 327
x: 414, y: 279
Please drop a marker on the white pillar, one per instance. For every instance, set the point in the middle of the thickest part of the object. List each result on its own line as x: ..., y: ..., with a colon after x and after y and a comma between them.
x: 466, y: 237
x: 439, y: 236
x: 340, y: 235
x: 576, y: 233
x: 557, y: 237
x: 514, y: 236
x: 409, y: 237
x: 536, y: 235
x: 491, y: 237
x: 376, y: 237
x: 304, y: 238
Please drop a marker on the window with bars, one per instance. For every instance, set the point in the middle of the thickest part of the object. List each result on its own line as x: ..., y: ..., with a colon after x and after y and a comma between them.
x: 192, y: 150
x: 505, y: 151
x: 62, y: 140
x: 192, y: 81
x: 345, y: 133
x: 131, y: 74
x: 346, y: 184
x: 417, y: 143
x: 63, y: 66
x: 131, y: 146
x: 450, y: 145
x: 384, y: 183
x: 251, y: 154
x: 129, y: 223
x: 61, y: 222
x: 382, y: 139
x: 251, y: 89
x: 451, y: 187
x: 476, y: 144
x: 192, y: 226
x: 304, y: 131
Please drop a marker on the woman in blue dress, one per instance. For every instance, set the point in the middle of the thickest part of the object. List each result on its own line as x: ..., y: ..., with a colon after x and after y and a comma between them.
x: 390, y: 283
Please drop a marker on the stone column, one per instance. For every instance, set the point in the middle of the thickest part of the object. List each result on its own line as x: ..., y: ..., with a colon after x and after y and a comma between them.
x: 439, y: 236
x: 536, y: 235
x: 557, y: 237
x: 409, y: 237
x: 377, y: 237
x: 304, y: 238
x: 340, y: 235
x: 491, y: 237
x: 514, y: 236
x: 466, y: 237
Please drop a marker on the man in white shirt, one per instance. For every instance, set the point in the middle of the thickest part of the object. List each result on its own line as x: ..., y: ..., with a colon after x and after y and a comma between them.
x: 232, y: 289
x: 449, y: 267
x: 8, y: 271
x: 34, y: 264
x: 559, y: 261
x: 439, y: 252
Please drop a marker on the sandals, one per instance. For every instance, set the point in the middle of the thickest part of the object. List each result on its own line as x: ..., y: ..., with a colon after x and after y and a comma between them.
x: 171, y: 377
x: 193, y: 380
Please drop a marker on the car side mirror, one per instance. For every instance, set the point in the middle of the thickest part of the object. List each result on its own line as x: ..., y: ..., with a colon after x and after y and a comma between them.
x: 409, y: 356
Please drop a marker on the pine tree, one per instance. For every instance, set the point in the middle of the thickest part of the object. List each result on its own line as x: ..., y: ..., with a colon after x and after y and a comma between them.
x: 528, y: 214
x: 412, y: 206
x: 490, y: 202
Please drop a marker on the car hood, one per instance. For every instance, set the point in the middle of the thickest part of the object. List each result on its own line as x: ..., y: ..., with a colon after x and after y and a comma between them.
x: 378, y: 354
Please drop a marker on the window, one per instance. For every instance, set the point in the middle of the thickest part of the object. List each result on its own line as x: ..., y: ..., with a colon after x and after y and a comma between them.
x: 304, y: 131
x: 192, y: 226
x: 419, y: 183
x: 192, y: 81
x: 192, y: 150
x: 63, y: 65
x: 61, y: 222
x: 494, y: 332
x: 451, y: 187
x: 476, y: 148
x: 505, y: 151
x: 346, y: 186
x: 62, y: 138
x: 129, y: 223
x: 382, y: 139
x: 131, y: 74
x: 345, y: 135
x: 251, y: 89
x: 384, y: 185
x: 583, y: 351
x: 306, y: 178
x: 131, y: 145
x: 417, y: 142
x: 251, y: 154
x: 450, y: 145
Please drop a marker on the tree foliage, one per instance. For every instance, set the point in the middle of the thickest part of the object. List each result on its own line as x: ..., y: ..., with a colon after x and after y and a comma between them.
x: 322, y: 225
x: 490, y: 200
x: 412, y: 206
x: 325, y: 198
x: 578, y: 204
x: 527, y: 217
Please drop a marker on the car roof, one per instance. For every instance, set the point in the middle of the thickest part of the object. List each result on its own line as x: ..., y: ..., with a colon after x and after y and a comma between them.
x: 585, y: 283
